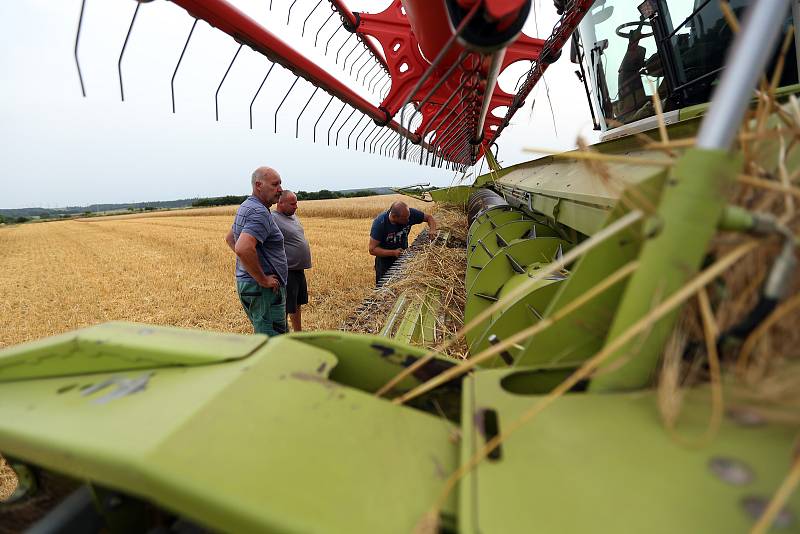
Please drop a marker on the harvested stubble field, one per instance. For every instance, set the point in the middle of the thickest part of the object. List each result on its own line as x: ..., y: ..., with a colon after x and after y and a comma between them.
x: 171, y: 268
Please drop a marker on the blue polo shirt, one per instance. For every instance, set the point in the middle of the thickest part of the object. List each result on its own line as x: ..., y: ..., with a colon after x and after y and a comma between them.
x: 254, y: 218
x: 393, y: 236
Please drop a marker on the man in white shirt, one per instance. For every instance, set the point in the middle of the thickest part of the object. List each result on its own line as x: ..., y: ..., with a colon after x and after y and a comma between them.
x: 298, y: 256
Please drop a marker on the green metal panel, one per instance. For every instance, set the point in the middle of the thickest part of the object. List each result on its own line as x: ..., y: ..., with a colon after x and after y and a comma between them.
x: 582, y: 333
x: 458, y: 194
x: 690, y: 207
x: 368, y: 362
x: 120, y: 346
x: 604, y: 463
x: 265, y: 443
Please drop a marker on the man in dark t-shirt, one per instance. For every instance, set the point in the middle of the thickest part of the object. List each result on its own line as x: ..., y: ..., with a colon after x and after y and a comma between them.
x: 389, y: 235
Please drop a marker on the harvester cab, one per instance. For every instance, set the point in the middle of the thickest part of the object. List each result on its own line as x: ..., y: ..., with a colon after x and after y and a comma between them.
x: 605, y: 382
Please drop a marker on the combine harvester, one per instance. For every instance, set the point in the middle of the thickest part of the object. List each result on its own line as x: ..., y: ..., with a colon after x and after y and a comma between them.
x: 578, y: 267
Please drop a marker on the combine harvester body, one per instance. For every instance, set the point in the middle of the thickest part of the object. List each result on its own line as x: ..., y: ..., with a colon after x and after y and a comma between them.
x: 312, y: 432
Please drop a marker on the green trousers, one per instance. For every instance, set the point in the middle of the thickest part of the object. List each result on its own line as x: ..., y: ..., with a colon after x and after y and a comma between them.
x: 265, y: 308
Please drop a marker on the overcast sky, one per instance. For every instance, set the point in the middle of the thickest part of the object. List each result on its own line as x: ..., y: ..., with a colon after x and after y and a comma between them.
x: 58, y: 148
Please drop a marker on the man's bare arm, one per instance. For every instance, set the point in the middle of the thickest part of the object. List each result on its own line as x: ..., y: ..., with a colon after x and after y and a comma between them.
x: 375, y: 250
x: 231, y: 240
x: 245, y: 249
x: 432, y: 225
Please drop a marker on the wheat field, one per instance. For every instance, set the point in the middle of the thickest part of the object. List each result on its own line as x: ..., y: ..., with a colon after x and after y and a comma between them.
x: 171, y: 268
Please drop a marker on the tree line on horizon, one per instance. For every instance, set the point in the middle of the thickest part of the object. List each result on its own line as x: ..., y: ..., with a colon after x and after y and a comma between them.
x: 322, y: 194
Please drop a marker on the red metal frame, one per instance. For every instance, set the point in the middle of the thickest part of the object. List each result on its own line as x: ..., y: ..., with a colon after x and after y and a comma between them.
x: 412, y: 33
x: 229, y: 19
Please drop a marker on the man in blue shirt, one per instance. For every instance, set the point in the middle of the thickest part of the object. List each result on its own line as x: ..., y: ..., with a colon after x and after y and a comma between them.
x: 261, y: 269
x: 389, y: 235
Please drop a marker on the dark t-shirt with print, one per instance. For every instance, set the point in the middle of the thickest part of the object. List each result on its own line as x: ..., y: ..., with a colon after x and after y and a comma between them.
x: 393, y: 236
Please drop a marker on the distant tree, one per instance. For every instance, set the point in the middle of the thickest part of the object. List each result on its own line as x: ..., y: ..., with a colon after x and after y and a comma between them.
x: 149, y: 208
x: 20, y: 220
x: 2, y: 219
x: 87, y: 213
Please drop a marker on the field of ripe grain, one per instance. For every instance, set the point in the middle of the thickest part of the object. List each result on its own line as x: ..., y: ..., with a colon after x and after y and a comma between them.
x: 171, y: 268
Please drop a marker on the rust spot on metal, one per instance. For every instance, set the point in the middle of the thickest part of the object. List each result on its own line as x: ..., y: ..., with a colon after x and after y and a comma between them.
x: 315, y: 378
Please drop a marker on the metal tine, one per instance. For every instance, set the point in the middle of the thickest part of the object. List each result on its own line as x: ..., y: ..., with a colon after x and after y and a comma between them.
x: 438, y: 84
x: 435, y: 63
x: 352, y: 66
x: 185, y: 46
x: 303, y: 31
x: 381, y: 149
x: 331, y: 38
x: 296, y: 78
x: 387, y: 142
x: 342, y: 126
x: 316, y: 37
x: 216, y: 95
x: 387, y: 85
x: 394, y: 146
x: 355, y: 145
x: 270, y: 5
x: 343, y: 45
x: 256, y: 95
x: 383, y: 139
x: 344, y: 63
x: 364, y: 81
x: 441, y: 109
x: 334, y: 122
x: 450, y: 142
x: 373, y: 130
x: 381, y: 81
x: 320, y: 118
x: 77, y: 40
x: 122, y: 52
x: 289, y: 14
x: 297, y: 123
x: 378, y: 75
x: 354, y: 129
x: 377, y: 139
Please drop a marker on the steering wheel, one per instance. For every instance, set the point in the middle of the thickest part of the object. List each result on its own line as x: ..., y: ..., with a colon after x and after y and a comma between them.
x: 638, y: 24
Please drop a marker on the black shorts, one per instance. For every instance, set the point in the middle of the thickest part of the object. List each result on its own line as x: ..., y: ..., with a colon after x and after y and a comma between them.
x: 296, y: 291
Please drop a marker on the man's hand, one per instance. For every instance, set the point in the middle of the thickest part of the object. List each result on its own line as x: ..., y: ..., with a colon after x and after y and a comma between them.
x: 270, y: 281
x: 398, y: 251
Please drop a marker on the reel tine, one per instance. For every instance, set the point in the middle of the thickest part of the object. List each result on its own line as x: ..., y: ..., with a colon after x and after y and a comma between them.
x: 374, y: 146
x: 303, y: 32
x: 334, y: 122
x: 297, y: 123
x: 122, y: 52
x: 175, y: 72
x: 331, y: 38
x: 320, y: 118
x: 377, y: 75
x: 375, y: 127
x: 216, y: 95
x: 352, y: 65
x: 296, y: 78
x: 77, y: 40
x: 289, y: 14
x: 323, y: 25
x: 354, y: 129
x: 341, y: 47
x: 344, y: 63
x: 342, y: 126
x: 259, y: 90
x: 364, y: 81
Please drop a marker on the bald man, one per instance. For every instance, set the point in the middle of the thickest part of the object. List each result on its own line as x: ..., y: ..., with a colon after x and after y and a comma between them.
x: 298, y: 256
x: 261, y: 269
x: 389, y: 235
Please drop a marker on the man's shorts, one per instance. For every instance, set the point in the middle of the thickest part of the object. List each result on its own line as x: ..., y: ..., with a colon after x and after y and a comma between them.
x: 296, y: 291
x: 265, y: 308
